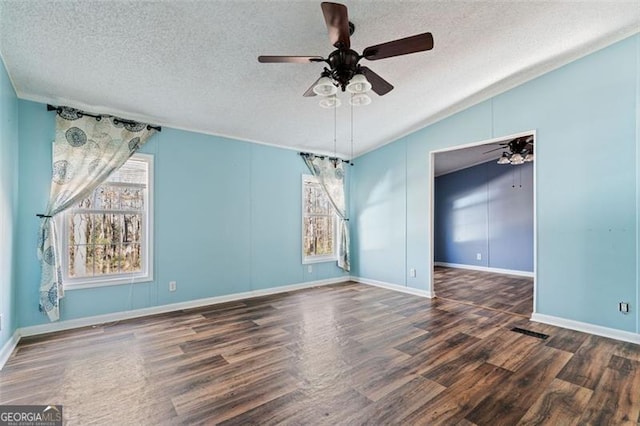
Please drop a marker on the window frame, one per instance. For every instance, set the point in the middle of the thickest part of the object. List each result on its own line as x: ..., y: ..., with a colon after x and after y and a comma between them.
x: 146, y: 275
x: 306, y: 260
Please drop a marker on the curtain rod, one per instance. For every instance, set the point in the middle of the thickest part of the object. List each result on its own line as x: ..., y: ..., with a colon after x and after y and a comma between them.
x: 116, y: 120
x: 322, y: 157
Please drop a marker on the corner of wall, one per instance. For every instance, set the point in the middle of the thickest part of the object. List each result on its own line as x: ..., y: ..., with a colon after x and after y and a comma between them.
x: 9, y: 143
x: 637, y: 117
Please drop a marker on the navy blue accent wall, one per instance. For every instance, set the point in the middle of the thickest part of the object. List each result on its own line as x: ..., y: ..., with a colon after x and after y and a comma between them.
x: 485, y: 209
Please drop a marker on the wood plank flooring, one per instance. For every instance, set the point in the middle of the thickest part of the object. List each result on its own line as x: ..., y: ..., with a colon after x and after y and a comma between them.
x: 503, y: 292
x: 343, y: 354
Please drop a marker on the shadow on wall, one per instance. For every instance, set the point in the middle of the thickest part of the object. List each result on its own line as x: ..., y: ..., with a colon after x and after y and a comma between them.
x: 484, y: 216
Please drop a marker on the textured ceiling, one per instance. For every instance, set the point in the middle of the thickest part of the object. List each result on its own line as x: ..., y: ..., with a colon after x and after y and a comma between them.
x: 458, y: 159
x: 192, y: 64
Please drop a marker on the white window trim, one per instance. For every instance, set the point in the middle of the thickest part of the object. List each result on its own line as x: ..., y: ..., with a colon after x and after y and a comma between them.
x: 306, y: 260
x: 123, y: 278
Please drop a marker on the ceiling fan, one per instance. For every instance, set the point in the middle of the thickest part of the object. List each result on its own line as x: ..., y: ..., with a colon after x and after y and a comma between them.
x: 344, y: 70
x: 520, y: 151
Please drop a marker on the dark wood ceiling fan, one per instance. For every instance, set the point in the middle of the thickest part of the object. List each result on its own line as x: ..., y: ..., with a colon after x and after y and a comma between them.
x: 523, y: 144
x: 344, y: 62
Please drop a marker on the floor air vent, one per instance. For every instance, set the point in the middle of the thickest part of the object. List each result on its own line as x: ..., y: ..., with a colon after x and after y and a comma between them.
x: 530, y: 333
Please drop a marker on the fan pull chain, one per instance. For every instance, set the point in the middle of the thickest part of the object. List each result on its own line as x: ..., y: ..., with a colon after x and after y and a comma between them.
x: 520, y: 177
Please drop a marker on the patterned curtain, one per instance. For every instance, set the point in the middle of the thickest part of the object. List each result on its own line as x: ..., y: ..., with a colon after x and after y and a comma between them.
x: 330, y: 174
x: 86, y: 150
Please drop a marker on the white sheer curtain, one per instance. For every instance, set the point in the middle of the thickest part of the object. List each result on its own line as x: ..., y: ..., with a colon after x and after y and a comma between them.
x: 86, y: 150
x: 330, y: 173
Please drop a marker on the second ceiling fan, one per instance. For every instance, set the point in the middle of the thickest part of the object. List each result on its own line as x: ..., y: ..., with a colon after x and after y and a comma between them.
x: 344, y: 70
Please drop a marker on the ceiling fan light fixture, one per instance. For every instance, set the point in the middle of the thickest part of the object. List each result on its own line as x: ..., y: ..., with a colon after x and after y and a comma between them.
x: 358, y: 84
x: 360, y: 99
x: 325, y: 87
x: 529, y: 157
x: 504, y: 159
x: 517, y: 159
x: 330, y: 102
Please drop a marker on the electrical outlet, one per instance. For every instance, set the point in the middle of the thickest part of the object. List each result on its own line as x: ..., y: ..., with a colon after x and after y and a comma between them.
x: 623, y: 307
x: 478, y: 256
x: 310, y: 268
x: 172, y: 286
x: 412, y: 272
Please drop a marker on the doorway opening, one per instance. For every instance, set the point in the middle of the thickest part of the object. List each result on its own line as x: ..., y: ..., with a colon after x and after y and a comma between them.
x: 483, y: 222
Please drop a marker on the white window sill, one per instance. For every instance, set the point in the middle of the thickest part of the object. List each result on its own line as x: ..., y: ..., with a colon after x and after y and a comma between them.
x: 79, y: 284
x: 319, y: 259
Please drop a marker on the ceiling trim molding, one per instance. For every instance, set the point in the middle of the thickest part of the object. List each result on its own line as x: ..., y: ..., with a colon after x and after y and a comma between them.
x: 168, y: 125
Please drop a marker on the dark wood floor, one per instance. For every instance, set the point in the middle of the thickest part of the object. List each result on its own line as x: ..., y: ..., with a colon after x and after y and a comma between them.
x: 342, y: 354
x: 507, y: 293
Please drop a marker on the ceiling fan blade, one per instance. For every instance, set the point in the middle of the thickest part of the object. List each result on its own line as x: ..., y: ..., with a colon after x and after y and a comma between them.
x: 310, y: 91
x: 403, y: 46
x: 290, y: 59
x: 494, y: 149
x: 378, y: 84
x: 337, y: 20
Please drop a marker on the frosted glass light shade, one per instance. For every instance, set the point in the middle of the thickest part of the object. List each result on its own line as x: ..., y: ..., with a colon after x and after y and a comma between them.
x: 358, y: 84
x: 504, y: 159
x: 517, y: 159
x: 360, y: 99
x: 330, y: 102
x: 325, y: 87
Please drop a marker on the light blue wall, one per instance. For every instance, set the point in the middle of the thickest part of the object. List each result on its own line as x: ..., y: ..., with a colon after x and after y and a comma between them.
x: 227, y: 220
x: 585, y: 115
x: 486, y: 209
x: 8, y: 203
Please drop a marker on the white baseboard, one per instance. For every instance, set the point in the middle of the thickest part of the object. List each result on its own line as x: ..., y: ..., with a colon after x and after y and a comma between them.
x: 485, y: 269
x: 8, y: 348
x: 598, y: 330
x: 395, y: 287
x: 136, y: 313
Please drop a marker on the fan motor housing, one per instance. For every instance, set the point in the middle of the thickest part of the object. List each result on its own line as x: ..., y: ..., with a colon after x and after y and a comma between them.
x: 344, y: 64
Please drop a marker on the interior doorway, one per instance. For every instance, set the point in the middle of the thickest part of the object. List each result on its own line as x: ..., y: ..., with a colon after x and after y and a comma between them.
x: 483, y: 221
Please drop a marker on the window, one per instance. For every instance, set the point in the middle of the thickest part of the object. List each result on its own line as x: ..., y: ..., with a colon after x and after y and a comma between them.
x: 106, y: 237
x: 319, y: 222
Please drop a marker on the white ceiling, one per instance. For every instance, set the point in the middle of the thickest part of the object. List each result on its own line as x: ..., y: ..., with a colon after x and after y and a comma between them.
x: 192, y: 64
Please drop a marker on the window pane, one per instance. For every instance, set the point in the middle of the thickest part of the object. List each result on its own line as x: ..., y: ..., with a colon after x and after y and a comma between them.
x: 100, y: 259
x: 132, y: 198
x: 324, y: 236
x: 131, y: 257
x: 309, y: 196
x: 318, y: 236
x: 133, y: 171
x: 81, y: 261
x: 86, y: 203
x: 107, y: 258
x: 132, y: 228
x: 308, y: 240
x: 319, y: 202
x: 106, y: 197
x: 107, y: 228
x: 79, y: 228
